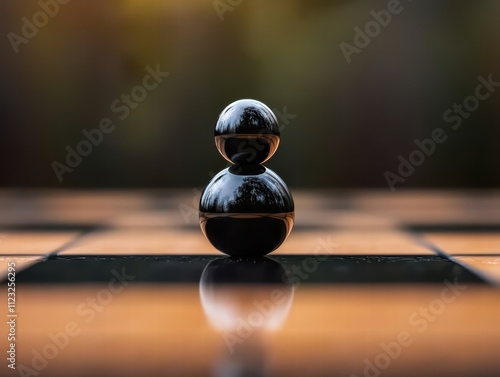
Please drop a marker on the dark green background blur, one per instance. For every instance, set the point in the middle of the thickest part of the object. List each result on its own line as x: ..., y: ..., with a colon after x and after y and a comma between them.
x: 351, y: 122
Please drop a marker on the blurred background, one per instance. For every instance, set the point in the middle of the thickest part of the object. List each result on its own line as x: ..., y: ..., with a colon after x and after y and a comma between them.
x: 347, y: 122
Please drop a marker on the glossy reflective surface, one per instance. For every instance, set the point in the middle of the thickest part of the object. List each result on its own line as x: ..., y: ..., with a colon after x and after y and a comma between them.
x: 127, y: 275
x: 257, y: 190
x: 221, y: 286
x: 194, y: 315
x: 247, y: 149
x: 247, y: 132
x: 247, y: 235
x: 244, y: 301
x: 246, y: 210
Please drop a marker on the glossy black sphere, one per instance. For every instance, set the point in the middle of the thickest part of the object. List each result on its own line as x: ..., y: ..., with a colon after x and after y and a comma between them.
x: 247, y: 132
x: 246, y: 211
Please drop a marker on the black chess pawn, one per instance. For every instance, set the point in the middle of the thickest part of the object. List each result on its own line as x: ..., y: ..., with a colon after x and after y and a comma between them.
x: 246, y: 209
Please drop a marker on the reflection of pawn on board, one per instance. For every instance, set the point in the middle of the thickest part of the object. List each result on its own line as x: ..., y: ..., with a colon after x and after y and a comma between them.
x: 246, y: 209
x: 245, y: 301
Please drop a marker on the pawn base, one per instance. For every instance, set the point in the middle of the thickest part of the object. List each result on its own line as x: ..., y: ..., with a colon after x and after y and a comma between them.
x: 245, y: 234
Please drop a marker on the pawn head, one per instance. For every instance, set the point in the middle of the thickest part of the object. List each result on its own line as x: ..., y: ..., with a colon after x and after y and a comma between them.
x: 247, y: 132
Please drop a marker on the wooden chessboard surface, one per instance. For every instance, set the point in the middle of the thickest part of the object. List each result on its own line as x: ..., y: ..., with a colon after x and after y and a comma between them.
x: 464, y: 226
x: 170, y: 327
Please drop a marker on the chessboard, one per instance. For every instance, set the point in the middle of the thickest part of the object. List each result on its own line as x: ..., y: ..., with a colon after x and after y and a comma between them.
x: 369, y: 283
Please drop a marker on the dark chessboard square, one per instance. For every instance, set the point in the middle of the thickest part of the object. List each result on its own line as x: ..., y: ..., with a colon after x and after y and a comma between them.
x: 306, y: 269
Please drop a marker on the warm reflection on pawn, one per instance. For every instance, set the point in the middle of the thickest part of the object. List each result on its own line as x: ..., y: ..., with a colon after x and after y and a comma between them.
x: 247, y: 209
